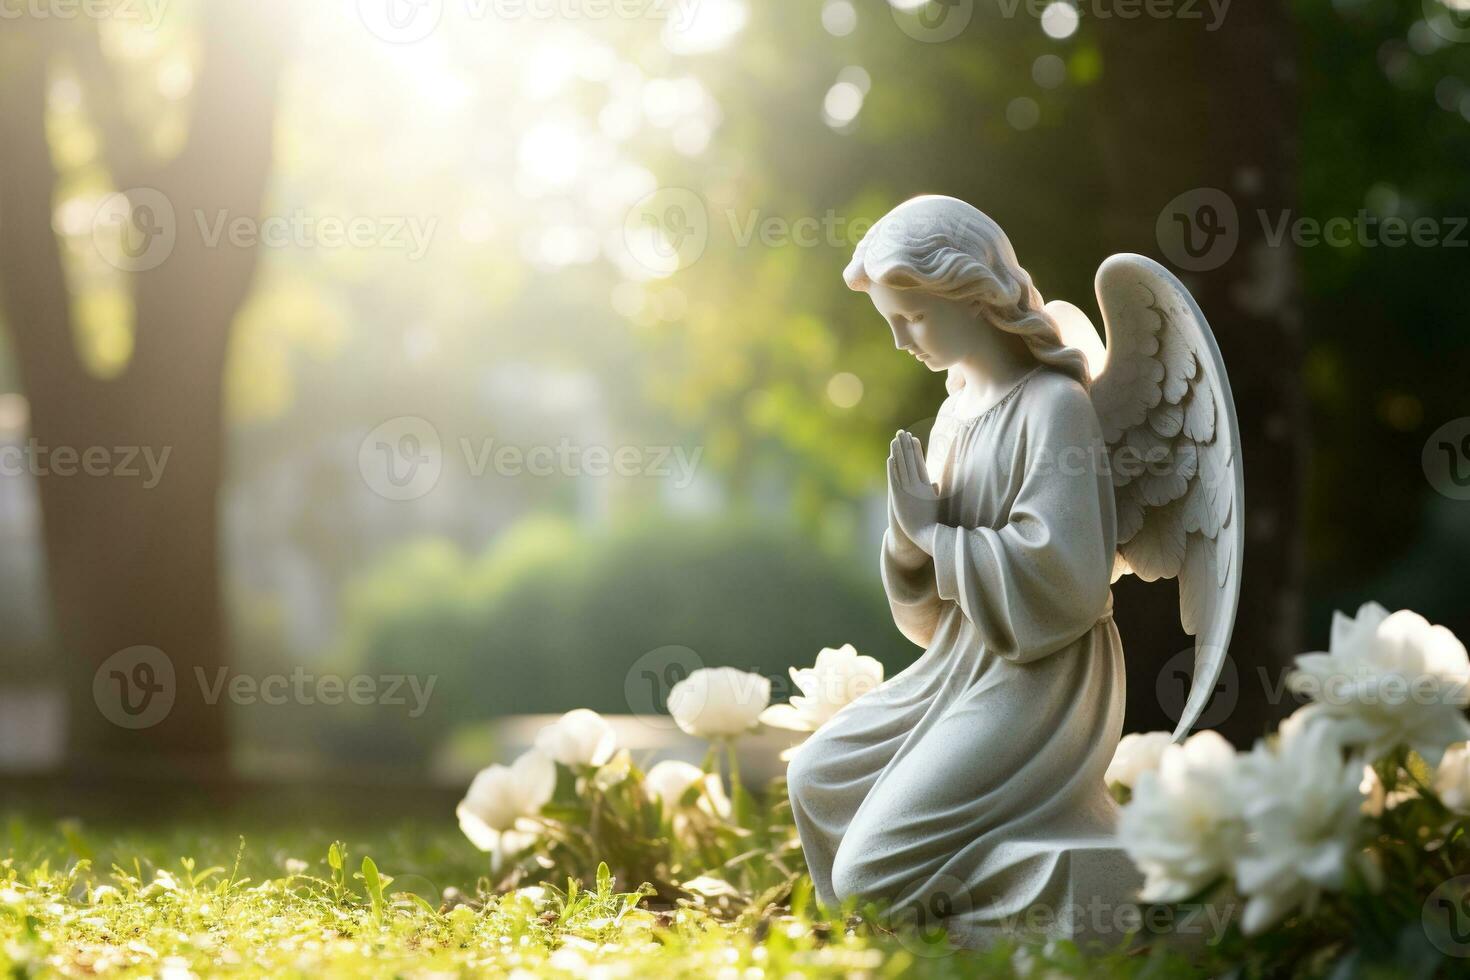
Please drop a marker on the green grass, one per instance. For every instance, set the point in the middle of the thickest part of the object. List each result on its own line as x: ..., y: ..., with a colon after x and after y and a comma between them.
x: 412, y: 900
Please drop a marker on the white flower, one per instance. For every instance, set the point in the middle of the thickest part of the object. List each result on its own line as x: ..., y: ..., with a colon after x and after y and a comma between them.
x: 578, y: 738
x: 1137, y: 754
x: 716, y: 702
x: 839, y: 677
x: 493, y: 812
x: 669, y: 780
x: 1301, y: 804
x: 1452, y: 778
x: 1182, y: 827
x: 1388, y: 680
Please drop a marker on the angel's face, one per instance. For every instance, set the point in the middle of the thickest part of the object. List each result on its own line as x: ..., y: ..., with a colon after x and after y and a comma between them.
x: 938, y: 332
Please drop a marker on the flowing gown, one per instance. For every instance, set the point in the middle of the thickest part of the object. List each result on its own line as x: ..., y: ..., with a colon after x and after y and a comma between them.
x: 956, y: 787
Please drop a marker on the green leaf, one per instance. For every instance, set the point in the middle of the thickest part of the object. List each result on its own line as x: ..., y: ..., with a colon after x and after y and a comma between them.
x: 604, y: 880
x: 373, y: 883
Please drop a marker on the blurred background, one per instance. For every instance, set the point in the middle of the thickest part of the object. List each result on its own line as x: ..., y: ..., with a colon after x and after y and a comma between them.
x: 372, y: 370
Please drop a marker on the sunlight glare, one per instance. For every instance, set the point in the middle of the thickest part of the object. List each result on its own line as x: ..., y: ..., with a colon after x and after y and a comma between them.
x: 550, y: 155
x: 1060, y: 20
x: 704, y: 26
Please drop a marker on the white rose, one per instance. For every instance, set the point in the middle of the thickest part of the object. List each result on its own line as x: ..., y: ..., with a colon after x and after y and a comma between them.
x: 1137, y: 754
x: 839, y: 677
x: 718, y: 702
x: 1388, y: 680
x: 1182, y: 826
x: 669, y: 780
x: 1452, y: 778
x: 578, y: 738
x: 1302, y: 810
x: 493, y: 812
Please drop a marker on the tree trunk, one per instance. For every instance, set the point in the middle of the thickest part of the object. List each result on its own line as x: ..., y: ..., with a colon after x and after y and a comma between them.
x: 1182, y: 109
x: 133, y: 555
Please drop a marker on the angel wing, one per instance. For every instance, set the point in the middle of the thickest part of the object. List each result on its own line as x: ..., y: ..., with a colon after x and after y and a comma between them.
x: 1168, y: 419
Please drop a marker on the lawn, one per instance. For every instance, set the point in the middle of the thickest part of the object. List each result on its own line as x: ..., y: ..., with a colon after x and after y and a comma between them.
x: 199, y: 897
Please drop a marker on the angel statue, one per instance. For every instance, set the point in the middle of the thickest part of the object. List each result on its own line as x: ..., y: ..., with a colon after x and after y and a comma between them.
x: 970, y: 785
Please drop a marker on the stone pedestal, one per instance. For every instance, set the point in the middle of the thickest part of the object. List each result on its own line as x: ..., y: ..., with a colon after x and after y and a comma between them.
x: 1084, y: 889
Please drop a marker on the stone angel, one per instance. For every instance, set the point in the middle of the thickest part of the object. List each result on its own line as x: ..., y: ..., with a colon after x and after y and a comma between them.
x: 970, y: 785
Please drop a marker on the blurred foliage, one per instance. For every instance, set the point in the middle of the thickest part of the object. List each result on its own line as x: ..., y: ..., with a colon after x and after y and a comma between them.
x: 553, y: 617
x: 1385, y: 127
x: 751, y: 350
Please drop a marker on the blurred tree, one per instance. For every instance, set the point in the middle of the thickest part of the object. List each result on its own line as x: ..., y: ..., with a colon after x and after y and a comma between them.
x: 1154, y: 152
x: 128, y: 564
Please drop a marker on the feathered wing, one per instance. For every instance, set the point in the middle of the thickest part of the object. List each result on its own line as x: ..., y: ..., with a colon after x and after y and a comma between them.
x: 1173, y: 441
